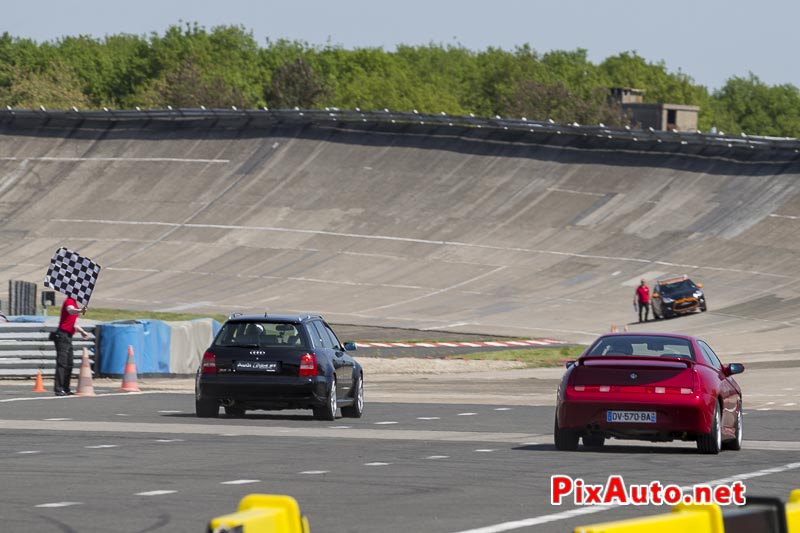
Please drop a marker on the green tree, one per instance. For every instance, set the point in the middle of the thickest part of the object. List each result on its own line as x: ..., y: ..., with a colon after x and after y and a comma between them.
x: 296, y: 84
x: 193, y: 67
x: 751, y: 106
x: 57, y: 87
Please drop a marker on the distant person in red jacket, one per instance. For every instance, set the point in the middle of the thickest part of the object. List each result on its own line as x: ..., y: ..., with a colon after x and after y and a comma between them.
x: 642, y: 298
x: 62, y: 337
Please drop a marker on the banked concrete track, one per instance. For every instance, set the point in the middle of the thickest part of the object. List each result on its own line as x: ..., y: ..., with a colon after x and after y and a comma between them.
x: 420, y: 226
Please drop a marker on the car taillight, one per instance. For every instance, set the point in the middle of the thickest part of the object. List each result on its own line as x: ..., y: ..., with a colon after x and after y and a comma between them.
x: 209, y: 364
x: 308, y: 365
x: 638, y: 389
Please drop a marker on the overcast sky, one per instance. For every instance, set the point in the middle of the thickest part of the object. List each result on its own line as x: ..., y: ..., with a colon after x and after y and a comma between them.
x: 710, y: 40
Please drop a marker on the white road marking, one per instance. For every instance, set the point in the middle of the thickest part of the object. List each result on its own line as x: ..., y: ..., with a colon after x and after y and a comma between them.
x: 488, y: 247
x: 763, y: 409
x: 385, y: 423
x: 57, y: 419
x: 428, y: 418
x: 228, y: 434
x: 503, y: 408
x: 438, y: 457
x: 169, y: 440
x: 790, y: 404
x: 28, y: 452
x: 169, y: 412
x: 59, y: 504
x: 484, y: 450
x: 571, y: 191
x: 117, y: 159
x: 240, y: 482
x: 314, y: 472
x: 340, y: 427
x: 122, y: 414
x: 544, y: 519
x: 101, y: 446
x: 155, y: 493
x: 467, y: 414
x: 377, y: 464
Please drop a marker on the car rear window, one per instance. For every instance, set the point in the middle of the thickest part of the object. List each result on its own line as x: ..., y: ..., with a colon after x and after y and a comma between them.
x: 653, y: 346
x: 262, y: 334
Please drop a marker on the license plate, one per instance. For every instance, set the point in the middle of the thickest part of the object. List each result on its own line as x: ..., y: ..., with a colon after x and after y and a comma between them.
x: 256, y: 366
x: 647, y: 417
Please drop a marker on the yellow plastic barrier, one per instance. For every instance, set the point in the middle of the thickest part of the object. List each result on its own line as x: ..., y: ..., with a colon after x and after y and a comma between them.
x: 684, y: 518
x: 262, y: 513
x: 793, y: 512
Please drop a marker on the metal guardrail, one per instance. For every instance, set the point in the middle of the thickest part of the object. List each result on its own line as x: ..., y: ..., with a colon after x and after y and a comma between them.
x: 743, y: 147
x: 25, y: 349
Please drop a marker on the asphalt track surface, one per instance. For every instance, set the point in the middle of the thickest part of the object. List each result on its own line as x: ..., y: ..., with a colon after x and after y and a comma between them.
x: 143, y: 462
x: 421, y: 227
x: 415, y: 228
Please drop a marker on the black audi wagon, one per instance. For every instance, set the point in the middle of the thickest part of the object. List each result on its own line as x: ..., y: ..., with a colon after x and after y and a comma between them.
x: 277, y: 362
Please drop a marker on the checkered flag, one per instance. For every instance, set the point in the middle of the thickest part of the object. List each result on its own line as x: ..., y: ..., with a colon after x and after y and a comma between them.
x: 72, y: 274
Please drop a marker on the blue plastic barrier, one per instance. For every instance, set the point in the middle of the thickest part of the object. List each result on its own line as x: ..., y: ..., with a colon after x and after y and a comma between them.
x: 150, y: 340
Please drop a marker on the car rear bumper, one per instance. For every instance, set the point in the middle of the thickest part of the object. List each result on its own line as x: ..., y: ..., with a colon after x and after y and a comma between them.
x: 674, y: 415
x: 261, y: 391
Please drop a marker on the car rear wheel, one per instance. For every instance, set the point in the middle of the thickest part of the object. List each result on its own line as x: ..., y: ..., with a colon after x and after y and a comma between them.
x: 711, y: 443
x: 736, y: 443
x: 594, y: 441
x: 566, y: 440
x: 205, y: 408
x: 355, y: 410
x: 328, y: 410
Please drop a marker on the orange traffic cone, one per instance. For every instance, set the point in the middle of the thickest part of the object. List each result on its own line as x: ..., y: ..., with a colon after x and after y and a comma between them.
x: 85, y: 386
x: 39, y: 386
x: 129, y: 383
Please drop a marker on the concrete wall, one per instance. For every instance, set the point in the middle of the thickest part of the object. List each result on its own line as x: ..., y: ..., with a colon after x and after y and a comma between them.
x: 408, y: 227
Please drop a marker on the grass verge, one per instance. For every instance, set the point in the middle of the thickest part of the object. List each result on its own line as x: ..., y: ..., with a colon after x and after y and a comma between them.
x: 533, y: 357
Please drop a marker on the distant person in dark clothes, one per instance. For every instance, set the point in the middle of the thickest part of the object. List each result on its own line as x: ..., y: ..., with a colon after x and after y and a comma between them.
x: 62, y: 337
x: 642, y: 298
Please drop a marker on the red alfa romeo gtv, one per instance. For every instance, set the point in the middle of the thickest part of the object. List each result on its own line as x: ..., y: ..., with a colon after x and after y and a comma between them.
x: 649, y: 386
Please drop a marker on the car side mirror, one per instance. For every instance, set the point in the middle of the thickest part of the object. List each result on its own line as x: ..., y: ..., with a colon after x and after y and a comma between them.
x: 734, y: 368
x: 569, y: 364
x: 350, y: 346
